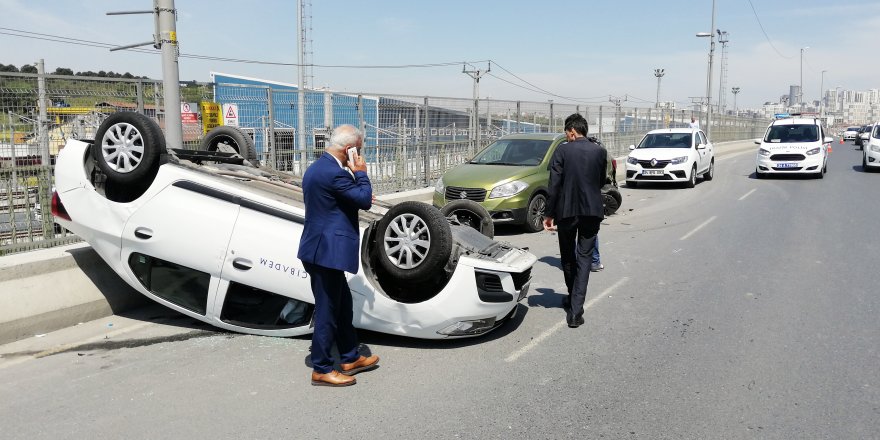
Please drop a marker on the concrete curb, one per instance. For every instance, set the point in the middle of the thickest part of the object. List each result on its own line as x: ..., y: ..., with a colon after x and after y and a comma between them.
x: 50, y: 289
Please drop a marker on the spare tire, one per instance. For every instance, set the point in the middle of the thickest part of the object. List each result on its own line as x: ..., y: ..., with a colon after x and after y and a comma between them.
x: 470, y: 213
x: 414, y: 241
x: 612, y: 199
x: 232, y: 137
x: 127, y: 147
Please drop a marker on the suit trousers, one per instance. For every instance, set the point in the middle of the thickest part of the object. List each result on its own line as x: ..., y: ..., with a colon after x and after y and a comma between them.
x: 577, y: 237
x: 333, y: 318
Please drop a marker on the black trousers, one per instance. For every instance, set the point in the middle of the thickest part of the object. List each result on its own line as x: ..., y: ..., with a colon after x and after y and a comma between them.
x: 577, y: 237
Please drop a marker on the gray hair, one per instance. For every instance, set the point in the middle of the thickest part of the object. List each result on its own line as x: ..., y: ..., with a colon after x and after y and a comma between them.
x: 344, y: 136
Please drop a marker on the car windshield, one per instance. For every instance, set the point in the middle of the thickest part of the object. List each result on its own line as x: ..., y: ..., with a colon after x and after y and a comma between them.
x: 522, y: 152
x: 666, y: 140
x: 852, y: 129
x: 792, y: 133
x: 876, y: 134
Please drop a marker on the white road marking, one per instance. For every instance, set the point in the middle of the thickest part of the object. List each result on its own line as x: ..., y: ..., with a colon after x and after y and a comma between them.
x: 534, y: 343
x: 693, y: 231
x: 748, y: 193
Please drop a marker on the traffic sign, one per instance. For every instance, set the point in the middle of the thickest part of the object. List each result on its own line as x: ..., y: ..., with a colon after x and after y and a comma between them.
x: 230, y: 115
x: 210, y: 115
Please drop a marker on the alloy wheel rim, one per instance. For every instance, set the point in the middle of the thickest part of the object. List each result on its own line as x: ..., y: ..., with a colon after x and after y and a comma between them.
x: 122, y: 147
x: 537, y: 211
x: 407, y: 241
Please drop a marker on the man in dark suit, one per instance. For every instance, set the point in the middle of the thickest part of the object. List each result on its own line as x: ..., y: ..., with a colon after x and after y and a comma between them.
x: 330, y: 246
x: 575, y: 209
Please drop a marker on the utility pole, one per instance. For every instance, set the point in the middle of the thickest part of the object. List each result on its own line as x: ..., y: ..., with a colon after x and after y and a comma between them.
x: 165, y: 39
x: 735, y: 91
x: 475, y: 118
x: 722, y: 81
x: 616, y: 102
x: 711, y: 35
x: 822, y: 95
x: 300, y: 93
x: 801, y: 87
x: 659, y: 74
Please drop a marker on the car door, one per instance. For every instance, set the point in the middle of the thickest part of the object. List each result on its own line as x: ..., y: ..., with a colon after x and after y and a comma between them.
x: 709, y: 151
x: 699, y: 147
x: 264, y: 287
x: 174, y: 245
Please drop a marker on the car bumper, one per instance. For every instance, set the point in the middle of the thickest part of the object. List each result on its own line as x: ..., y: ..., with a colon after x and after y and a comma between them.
x: 510, y: 210
x: 669, y: 173
x: 811, y: 164
x: 872, y: 155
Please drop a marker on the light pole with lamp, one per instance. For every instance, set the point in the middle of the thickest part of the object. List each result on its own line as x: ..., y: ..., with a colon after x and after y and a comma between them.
x: 711, y: 35
x: 801, y: 91
x: 735, y: 91
x: 659, y: 74
x: 822, y: 95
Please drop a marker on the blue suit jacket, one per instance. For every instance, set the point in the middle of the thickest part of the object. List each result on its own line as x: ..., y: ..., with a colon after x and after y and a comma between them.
x: 333, y: 197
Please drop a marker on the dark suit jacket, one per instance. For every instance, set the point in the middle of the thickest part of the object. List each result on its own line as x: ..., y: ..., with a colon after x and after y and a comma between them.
x: 577, y: 174
x: 333, y: 197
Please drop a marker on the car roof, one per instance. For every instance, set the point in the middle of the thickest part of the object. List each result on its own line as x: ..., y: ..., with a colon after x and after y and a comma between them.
x: 795, y: 121
x: 674, y: 130
x: 539, y: 136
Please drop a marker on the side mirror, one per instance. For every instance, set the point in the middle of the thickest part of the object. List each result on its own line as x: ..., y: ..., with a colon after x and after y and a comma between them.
x: 632, y: 147
x: 828, y: 139
x: 701, y: 147
x: 758, y: 141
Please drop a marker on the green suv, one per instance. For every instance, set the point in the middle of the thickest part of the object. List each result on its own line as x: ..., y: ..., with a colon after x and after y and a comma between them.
x: 508, y: 178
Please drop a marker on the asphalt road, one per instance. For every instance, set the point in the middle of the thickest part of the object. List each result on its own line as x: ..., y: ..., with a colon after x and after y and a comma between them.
x: 741, y: 308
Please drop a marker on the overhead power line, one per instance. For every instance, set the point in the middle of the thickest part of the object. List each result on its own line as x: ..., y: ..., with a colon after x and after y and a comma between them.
x: 765, y: 32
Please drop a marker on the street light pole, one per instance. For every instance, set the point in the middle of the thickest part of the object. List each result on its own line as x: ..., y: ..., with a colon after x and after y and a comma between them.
x: 659, y: 74
x: 801, y: 91
x: 735, y: 91
x: 822, y: 95
x: 711, y: 35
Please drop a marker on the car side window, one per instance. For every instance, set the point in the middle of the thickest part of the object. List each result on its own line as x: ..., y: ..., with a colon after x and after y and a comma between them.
x: 703, y: 138
x: 185, y: 287
x: 696, y: 139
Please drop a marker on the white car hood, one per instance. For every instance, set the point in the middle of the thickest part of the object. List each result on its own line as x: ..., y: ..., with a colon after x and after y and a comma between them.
x: 659, y: 153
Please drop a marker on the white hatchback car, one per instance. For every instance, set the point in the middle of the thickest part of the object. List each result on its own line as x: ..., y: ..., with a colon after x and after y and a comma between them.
x: 793, y: 145
x: 213, y: 237
x: 871, y: 156
x: 671, y: 155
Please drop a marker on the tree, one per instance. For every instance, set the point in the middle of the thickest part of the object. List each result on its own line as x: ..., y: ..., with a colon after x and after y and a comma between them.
x: 63, y: 71
x: 8, y: 68
x: 28, y: 68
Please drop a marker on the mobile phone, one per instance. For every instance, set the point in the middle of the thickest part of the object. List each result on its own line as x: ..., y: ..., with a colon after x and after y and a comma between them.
x: 352, y: 155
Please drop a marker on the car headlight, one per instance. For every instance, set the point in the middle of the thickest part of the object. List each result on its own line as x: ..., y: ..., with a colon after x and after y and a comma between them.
x: 440, y: 187
x: 508, y: 189
x: 763, y: 152
x: 631, y: 160
x: 678, y: 160
x: 813, y: 151
x: 875, y: 148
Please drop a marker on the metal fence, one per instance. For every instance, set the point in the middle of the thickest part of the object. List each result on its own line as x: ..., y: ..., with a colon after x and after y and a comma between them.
x: 410, y: 140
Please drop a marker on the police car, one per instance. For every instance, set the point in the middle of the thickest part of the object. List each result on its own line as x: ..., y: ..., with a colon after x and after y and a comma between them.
x: 793, y: 145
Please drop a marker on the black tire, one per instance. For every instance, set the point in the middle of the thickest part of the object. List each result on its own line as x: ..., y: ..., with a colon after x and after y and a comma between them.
x: 710, y: 174
x: 127, y: 147
x: 414, y: 241
x: 535, y: 213
x: 234, y: 138
x: 612, y: 199
x: 632, y: 184
x: 692, y: 182
x: 758, y: 175
x: 470, y: 213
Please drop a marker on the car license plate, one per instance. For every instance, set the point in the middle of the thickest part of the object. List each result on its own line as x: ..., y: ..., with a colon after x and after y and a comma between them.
x: 786, y: 165
x: 652, y: 172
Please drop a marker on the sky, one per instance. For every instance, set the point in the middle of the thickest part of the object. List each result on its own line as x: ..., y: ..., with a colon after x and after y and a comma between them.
x: 573, y: 51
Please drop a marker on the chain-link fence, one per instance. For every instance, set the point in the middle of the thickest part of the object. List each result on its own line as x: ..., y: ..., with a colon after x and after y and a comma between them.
x: 410, y: 140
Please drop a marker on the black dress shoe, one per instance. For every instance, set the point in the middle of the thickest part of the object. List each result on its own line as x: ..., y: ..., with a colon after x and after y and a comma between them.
x: 574, y: 322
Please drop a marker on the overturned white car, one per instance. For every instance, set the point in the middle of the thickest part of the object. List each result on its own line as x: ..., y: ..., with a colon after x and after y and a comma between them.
x: 214, y: 237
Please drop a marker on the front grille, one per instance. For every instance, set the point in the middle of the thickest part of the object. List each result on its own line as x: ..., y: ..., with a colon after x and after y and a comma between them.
x: 660, y: 164
x: 520, y: 279
x: 663, y: 177
x: 787, y: 157
x: 456, y: 192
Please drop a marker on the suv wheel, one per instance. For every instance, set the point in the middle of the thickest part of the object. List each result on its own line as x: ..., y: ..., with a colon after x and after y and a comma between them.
x: 415, y: 241
x: 535, y: 213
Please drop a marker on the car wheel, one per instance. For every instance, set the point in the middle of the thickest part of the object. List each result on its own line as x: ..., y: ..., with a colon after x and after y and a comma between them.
x: 232, y: 137
x: 612, y: 199
x: 865, y: 163
x: 710, y: 174
x: 692, y: 182
x: 470, y: 213
x: 127, y: 147
x: 758, y: 174
x: 415, y: 241
x: 535, y: 213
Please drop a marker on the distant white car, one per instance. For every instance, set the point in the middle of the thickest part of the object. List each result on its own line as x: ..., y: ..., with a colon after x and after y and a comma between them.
x: 671, y: 155
x: 850, y: 133
x: 792, y: 146
x: 871, y: 156
x: 215, y: 238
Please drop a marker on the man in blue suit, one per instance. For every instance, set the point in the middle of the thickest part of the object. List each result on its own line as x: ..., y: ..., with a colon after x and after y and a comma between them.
x: 330, y: 246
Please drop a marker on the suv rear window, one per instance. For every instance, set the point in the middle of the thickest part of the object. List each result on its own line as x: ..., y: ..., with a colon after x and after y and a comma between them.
x: 792, y: 133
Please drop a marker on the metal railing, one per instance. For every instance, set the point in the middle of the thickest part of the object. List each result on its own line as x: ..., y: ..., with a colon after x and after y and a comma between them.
x: 410, y: 140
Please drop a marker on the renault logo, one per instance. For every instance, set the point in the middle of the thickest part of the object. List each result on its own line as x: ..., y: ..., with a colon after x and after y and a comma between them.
x: 653, y: 162
x: 463, y: 195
